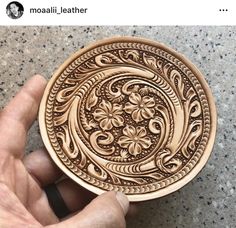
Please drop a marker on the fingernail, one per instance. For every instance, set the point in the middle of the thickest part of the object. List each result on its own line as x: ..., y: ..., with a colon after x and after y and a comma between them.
x: 123, y: 201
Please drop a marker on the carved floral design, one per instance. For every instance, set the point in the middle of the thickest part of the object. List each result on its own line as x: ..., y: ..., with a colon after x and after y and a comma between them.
x: 117, y: 89
x: 140, y: 107
x: 134, y: 139
x: 109, y: 115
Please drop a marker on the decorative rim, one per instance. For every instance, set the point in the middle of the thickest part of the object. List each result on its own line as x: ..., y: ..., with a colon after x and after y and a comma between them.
x: 134, y: 193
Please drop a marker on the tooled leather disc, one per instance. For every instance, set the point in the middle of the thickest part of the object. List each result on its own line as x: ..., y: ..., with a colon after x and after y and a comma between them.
x: 131, y: 115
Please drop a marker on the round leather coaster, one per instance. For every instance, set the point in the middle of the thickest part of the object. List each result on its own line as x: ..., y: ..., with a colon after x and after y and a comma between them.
x: 130, y: 115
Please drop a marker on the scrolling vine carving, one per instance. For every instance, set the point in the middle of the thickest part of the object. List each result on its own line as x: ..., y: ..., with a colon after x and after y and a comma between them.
x: 128, y: 116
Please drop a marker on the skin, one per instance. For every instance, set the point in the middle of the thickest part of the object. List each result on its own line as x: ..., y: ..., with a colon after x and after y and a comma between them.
x: 23, y: 202
x: 14, y: 9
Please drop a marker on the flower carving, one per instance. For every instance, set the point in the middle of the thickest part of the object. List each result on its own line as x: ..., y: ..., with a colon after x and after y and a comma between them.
x: 140, y: 107
x: 109, y: 115
x: 134, y: 139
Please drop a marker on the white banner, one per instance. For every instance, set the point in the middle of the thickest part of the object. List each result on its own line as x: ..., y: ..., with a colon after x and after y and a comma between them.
x: 122, y: 12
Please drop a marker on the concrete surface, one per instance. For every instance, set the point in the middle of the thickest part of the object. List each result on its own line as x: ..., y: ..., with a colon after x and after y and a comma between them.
x: 210, y: 199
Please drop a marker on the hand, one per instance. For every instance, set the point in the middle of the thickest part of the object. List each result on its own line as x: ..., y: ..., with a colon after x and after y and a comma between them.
x: 23, y: 203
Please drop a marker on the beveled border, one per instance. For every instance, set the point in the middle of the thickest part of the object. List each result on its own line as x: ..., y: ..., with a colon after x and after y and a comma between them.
x: 145, y: 196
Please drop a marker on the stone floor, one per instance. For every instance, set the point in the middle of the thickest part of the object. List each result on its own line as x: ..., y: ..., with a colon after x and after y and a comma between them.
x: 210, y: 199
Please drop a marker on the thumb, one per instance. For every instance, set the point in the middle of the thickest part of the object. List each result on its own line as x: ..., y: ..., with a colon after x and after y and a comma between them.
x: 106, y: 211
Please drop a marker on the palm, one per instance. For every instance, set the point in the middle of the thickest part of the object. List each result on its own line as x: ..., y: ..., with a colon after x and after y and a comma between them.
x: 23, y: 202
x: 15, y: 174
x: 28, y: 195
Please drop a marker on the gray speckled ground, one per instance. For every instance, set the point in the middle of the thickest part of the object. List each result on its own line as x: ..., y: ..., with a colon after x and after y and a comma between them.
x: 210, y: 199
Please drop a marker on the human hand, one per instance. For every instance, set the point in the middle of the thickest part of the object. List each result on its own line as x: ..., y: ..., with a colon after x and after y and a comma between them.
x: 23, y: 202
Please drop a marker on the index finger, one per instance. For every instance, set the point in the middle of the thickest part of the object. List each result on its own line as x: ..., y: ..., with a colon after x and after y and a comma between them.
x: 17, y: 117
